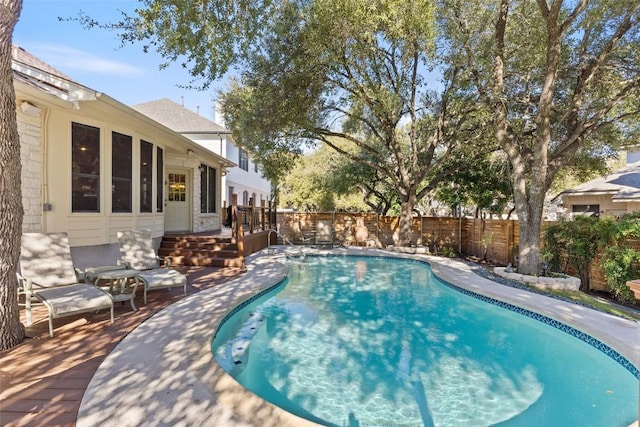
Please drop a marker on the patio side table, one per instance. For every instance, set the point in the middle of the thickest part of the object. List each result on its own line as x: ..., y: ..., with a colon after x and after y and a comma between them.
x: 120, y: 286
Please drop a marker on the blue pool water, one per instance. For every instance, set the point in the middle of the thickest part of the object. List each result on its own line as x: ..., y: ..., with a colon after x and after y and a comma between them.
x: 363, y: 341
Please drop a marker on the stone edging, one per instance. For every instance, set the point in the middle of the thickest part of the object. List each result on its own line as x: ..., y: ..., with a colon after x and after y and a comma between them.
x: 543, y: 282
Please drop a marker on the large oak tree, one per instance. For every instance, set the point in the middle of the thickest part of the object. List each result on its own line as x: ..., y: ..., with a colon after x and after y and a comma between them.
x: 356, y: 72
x: 322, y: 71
x: 561, y: 77
x: 11, y: 211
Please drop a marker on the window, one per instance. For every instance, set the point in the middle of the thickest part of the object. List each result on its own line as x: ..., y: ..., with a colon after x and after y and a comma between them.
x: 146, y: 176
x: 207, y: 189
x: 243, y: 160
x: 120, y: 172
x: 85, y: 169
x: 177, y: 184
x: 255, y: 167
x: 160, y: 179
x: 589, y: 210
x: 245, y: 198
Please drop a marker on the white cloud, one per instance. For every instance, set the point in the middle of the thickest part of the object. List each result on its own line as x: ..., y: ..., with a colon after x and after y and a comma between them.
x: 67, y: 59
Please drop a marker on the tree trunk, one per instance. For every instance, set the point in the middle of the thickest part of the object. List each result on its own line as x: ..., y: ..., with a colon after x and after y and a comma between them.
x: 585, y: 277
x: 11, y: 211
x: 529, y: 246
x: 402, y: 234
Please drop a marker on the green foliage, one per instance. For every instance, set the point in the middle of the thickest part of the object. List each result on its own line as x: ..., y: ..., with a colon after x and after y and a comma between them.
x: 326, y: 180
x: 576, y: 243
x: 349, y: 74
x: 447, y: 252
x: 621, y: 261
x: 480, y: 181
x: 551, y: 81
x: 573, y: 244
x: 317, y: 183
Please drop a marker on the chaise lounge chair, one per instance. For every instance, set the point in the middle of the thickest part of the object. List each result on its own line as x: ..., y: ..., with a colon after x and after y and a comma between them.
x: 47, y: 274
x: 136, y: 251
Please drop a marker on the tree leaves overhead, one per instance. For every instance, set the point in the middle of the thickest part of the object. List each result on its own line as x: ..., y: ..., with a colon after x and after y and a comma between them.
x: 206, y: 37
x: 549, y: 81
x: 349, y: 71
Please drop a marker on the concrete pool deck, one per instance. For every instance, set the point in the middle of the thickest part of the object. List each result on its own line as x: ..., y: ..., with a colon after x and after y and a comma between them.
x: 163, y: 372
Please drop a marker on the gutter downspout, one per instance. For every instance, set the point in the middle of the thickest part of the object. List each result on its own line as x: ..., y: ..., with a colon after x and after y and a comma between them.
x: 45, y: 169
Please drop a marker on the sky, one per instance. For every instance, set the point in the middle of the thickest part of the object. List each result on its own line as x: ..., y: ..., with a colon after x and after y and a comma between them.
x: 95, y: 59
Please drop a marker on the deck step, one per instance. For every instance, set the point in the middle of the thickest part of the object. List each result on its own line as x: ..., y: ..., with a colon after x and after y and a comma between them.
x: 198, y: 246
x: 194, y: 253
x: 207, y: 261
x: 200, y: 250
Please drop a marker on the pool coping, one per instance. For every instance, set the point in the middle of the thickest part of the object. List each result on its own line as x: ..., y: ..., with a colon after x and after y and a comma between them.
x: 163, y: 372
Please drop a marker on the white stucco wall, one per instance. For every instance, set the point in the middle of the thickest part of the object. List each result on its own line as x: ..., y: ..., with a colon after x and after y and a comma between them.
x: 240, y: 180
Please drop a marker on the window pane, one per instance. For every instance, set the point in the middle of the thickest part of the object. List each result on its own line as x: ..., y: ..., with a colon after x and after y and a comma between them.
x: 121, y: 172
x: 204, y: 183
x: 243, y: 160
x: 586, y: 209
x: 160, y: 179
x: 177, y: 187
x: 85, y: 173
x: 146, y: 176
x: 212, y: 190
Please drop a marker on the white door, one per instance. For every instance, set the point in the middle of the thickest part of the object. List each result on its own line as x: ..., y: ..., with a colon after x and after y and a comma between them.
x: 177, y: 215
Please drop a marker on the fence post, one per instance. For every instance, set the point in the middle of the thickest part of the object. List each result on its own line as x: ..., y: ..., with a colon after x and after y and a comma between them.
x: 224, y: 214
x: 251, y: 215
x: 236, y: 226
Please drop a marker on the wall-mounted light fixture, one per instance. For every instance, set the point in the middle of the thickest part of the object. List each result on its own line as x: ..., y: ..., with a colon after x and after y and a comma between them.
x: 191, y: 152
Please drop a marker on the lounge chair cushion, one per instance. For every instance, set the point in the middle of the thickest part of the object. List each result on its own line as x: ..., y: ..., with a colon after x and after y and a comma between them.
x: 46, y: 258
x: 162, y: 278
x: 78, y: 298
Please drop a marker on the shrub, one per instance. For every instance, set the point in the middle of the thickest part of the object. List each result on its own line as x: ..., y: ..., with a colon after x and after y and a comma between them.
x: 573, y: 244
x: 621, y: 261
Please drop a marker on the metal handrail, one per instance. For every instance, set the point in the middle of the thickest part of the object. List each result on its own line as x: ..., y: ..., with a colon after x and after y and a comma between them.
x: 284, y: 239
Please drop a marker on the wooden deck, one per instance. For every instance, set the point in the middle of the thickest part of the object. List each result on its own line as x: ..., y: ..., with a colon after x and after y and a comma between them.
x: 42, y: 381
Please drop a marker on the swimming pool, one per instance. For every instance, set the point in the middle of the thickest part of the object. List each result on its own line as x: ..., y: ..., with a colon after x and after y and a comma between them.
x: 378, y: 341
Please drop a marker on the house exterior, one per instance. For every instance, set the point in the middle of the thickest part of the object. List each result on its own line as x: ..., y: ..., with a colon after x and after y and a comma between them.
x: 92, y: 166
x: 245, y: 179
x: 611, y: 195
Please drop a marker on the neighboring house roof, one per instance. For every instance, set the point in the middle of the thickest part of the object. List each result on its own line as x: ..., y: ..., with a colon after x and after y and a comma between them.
x: 176, y: 117
x: 623, y: 185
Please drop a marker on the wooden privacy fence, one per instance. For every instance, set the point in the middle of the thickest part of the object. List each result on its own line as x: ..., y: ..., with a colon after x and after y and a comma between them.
x: 493, y: 240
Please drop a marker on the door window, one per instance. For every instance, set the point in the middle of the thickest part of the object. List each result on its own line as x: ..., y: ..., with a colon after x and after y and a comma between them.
x: 177, y: 187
